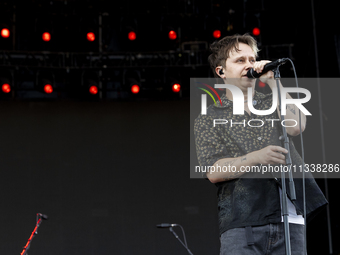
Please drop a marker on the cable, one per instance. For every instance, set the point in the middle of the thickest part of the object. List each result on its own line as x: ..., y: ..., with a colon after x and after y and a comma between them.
x: 185, y: 239
x: 176, y: 236
x: 303, y: 167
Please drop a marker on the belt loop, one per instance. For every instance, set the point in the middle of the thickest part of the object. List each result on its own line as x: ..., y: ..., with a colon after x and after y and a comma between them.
x: 249, y: 235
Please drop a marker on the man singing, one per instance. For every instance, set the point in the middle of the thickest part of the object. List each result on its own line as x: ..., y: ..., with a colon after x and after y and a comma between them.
x: 249, y: 207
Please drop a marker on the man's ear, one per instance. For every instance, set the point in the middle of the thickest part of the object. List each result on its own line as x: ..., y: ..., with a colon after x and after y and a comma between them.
x: 219, y: 71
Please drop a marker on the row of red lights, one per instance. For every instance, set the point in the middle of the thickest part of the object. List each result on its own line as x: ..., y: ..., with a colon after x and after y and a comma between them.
x: 6, y: 88
x: 46, y: 36
x: 173, y: 35
x: 175, y: 88
x: 133, y: 36
x: 48, y: 88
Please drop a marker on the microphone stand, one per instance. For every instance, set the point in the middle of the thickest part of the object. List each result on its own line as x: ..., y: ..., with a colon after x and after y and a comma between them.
x: 176, y: 236
x: 35, y: 232
x: 285, y: 141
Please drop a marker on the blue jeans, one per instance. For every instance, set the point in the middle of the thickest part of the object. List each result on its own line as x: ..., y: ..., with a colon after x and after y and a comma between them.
x: 262, y: 240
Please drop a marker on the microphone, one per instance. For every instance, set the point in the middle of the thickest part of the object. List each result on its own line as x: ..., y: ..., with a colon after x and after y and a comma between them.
x: 43, y: 216
x: 268, y: 67
x: 166, y: 225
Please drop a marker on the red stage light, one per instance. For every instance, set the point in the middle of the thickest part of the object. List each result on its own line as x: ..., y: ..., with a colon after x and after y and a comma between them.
x: 135, y: 89
x: 132, y: 36
x: 6, y: 88
x: 93, y: 90
x: 5, y: 33
x: 48, y: 88
x: 90, y: 36
x: 176, y: 88
x: 46, y: 36
x: 172, y: 35
x: 217, y: 34
x: 256, y: 31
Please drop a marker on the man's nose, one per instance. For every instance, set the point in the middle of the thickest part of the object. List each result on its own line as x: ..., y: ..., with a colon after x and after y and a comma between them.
x: 249, y: 65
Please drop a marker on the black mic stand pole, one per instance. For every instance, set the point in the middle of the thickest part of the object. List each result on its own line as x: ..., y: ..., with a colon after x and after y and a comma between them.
x: 35, y: 232
x: 283, y: 174
x: 186, y: 247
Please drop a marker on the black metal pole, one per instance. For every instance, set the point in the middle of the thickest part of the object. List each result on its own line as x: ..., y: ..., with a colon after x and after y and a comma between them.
x: 285, y: 141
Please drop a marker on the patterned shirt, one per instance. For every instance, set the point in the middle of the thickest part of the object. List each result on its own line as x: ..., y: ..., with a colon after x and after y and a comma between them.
x: 248, y: 200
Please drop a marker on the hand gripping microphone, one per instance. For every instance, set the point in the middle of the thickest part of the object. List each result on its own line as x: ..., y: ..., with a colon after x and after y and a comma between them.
x: 268, y: 67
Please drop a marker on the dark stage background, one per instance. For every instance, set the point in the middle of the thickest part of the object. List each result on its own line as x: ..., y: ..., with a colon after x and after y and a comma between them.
x: 107, y: 169
x: 106, y: 173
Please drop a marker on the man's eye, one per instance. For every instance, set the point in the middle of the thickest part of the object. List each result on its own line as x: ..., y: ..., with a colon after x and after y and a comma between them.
x: 240, y: 60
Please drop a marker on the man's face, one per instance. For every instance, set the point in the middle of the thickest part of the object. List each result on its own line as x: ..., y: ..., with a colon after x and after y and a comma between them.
x: 237, y: 65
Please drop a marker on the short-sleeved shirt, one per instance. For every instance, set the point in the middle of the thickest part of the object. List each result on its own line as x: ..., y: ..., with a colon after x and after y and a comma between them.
x: 248, y: 200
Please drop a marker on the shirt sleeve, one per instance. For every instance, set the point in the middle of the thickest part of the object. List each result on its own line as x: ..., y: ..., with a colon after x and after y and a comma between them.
x: 210, y: 146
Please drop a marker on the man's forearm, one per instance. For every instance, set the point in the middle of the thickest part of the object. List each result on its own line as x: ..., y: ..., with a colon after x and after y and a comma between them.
x: 271, y: 154
x: 232, y: 168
